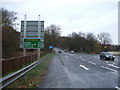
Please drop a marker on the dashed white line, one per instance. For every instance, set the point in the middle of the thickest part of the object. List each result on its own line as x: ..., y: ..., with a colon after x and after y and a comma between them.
x: 113, y: 65
x: 91, y: 63
x: 106, y: 61
x: 67, y: 57
x: 84, y: 67
x: 83, y: 59
x: 108, y: 68
x: 80, y: 57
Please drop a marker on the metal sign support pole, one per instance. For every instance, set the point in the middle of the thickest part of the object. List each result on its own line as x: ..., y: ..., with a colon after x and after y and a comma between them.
x: 24, y: 49
x: 39, y: 31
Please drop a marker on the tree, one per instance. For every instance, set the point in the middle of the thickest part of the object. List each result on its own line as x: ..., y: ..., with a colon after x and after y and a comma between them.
x: 84, y: 42
x: 91, y: 42
x: 10, y: 37
x: 53, y: 30
x: 104, y: 38
x: 8, y: 17
x: 52, y: 34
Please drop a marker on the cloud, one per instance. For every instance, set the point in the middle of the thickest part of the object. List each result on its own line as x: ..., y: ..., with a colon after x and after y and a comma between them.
x: 72, y: 15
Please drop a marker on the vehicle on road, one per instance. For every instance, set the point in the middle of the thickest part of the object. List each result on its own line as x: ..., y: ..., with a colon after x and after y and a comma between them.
x: 72, y: 51
x: 65, y: 50
x: 59, y: 51
x: 107, y: 56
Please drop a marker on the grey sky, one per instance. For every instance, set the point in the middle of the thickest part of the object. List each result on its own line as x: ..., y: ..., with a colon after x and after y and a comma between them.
x: 72, y: 15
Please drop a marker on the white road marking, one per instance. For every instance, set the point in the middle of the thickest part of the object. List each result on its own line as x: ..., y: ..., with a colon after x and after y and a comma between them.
x: 117, y: 88
x: 113, y: 65
x: 91, y: 63
x: 106, y: 61
x: 84, y: 67
x: 71, y: 54
x: 67, y: 57
x: 108, y: 68
x: 80, y: 57
x: 83, y: 59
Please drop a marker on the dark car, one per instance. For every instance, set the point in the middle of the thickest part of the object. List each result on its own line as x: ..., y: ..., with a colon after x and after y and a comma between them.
x: 59, y: 51
x: 107, y: 56
x: 65, y: 50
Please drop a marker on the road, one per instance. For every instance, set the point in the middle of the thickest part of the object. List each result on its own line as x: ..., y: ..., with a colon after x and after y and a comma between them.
x: 77, y: 70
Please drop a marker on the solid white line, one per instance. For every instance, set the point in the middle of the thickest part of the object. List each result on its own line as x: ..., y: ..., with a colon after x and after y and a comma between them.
x: 113, y: 65
x: 84, y: 67
x: 91, y: 63
x: 83, y: 59
x: 108, y: 68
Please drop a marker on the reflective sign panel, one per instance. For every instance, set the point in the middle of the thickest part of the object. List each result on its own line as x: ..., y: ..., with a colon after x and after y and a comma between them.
x: 31, y: 43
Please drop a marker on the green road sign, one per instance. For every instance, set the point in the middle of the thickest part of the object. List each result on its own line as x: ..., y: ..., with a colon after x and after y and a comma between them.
x: 31, y: 43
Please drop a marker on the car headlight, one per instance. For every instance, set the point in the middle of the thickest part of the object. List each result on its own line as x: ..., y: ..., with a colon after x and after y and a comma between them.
x: 113, y: 56
x: 107, y: 56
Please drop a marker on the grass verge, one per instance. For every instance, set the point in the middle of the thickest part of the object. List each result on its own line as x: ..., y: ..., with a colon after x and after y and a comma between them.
x: 116, y: 54
x: 32, y: 78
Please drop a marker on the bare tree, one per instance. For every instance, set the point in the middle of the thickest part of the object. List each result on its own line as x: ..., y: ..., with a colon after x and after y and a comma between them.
x: 104, y: 38
x: 53, y: 30
x: 90, y: 36
x: 52, y: 33
x: 8, y: 17
x: 81, y: 34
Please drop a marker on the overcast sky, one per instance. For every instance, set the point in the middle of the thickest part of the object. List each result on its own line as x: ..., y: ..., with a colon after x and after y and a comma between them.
x: 72, y: 15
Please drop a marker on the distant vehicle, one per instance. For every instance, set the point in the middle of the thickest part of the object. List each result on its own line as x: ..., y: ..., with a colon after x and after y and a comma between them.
x: 65, y: 50
x: 59, y: 51
x: 72, y: 51
x: 107, y: 56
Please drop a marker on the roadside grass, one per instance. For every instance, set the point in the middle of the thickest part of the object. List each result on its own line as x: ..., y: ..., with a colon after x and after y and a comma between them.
x: 32, y: 78
x: 116, y: 54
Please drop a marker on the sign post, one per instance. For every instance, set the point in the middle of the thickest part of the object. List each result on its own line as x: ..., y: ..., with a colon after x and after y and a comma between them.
x: 32, y: 35
x: 24, y: 49
x: 39, y: 26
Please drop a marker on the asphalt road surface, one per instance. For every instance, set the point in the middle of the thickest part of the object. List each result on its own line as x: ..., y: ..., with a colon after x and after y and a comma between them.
x: 77, y: 70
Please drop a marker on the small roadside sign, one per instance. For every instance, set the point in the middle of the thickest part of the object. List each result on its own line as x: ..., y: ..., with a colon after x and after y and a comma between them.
x: 50, y: 46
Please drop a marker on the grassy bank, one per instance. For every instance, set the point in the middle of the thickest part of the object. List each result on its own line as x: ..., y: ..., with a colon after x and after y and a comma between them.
x: 32, y: 78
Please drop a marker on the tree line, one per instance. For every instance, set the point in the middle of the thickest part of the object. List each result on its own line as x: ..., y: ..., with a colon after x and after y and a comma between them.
x: 10, y: 37
x: 81, y: 42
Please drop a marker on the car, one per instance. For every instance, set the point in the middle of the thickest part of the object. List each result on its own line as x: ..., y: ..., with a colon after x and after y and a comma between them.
x: 107, y: 56
x: 65, y: 50
x: 72, y: 51
x: 59, y: 51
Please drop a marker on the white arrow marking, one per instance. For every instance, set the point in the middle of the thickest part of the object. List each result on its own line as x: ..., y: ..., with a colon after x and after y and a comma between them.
x: 117, y: 88
x: 84, y: 67
x: 113, y: 65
